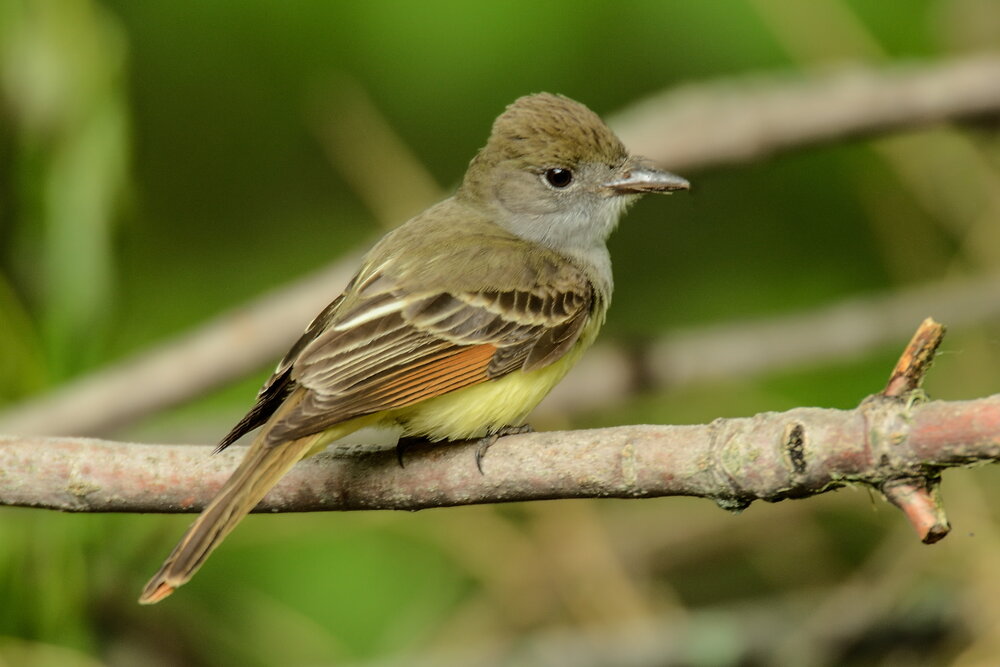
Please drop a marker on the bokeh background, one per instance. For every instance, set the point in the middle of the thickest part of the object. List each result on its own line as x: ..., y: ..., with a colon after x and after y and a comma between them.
x: 163, y: 162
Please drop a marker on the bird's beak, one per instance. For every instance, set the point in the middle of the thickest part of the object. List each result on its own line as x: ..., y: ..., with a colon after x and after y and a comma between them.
x: 641, y: 178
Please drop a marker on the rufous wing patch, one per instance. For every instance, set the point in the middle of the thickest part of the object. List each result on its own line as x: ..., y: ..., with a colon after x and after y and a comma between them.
x: 464, y: 367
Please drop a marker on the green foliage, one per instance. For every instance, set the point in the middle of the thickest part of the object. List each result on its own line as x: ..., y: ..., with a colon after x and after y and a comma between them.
x: 63, y: 81
x: 160, y: 162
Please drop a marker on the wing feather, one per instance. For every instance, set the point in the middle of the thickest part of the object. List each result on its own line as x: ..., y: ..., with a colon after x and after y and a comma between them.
x: 380, y: 347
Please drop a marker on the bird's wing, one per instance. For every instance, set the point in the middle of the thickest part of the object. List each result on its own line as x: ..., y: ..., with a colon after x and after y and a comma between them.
x: 390, y: 348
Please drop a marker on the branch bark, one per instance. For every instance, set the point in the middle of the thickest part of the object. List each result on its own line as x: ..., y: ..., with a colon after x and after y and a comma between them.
x: 771, y: 456
x: 699, y: 126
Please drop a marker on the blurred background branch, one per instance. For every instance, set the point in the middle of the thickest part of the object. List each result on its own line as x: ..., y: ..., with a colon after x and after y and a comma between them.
x: 239, y: 342
x: 733, y: 121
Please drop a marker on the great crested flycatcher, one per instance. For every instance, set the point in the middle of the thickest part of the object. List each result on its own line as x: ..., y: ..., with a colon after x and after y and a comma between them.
x: 459, y: 322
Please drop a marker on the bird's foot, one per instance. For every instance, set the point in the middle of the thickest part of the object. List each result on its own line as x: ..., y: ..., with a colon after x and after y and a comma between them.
x: 488, y: 441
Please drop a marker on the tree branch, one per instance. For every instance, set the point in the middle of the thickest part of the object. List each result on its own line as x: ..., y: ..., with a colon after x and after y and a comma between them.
x: 771, y: 456
x: 892, y: 442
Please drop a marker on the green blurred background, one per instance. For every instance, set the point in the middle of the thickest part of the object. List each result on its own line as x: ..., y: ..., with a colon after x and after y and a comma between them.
x: 162, y: 162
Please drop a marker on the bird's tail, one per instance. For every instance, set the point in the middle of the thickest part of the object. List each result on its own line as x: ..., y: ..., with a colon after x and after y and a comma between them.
x: 262, y: 467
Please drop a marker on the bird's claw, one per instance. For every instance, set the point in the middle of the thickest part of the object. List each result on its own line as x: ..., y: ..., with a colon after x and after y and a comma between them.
x: 484, y: 443
x: 403, y: 444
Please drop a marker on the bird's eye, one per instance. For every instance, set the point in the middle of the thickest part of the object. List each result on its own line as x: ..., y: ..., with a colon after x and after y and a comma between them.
x: 559, y: 178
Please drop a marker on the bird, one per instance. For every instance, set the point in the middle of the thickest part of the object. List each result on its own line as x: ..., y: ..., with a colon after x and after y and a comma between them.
x: 459, y: 321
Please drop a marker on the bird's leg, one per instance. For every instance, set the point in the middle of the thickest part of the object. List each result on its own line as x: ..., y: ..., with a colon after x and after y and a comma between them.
x: 488, y: 441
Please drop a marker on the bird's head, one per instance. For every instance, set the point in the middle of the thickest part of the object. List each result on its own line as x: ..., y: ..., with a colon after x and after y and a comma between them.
x: 554, y: 173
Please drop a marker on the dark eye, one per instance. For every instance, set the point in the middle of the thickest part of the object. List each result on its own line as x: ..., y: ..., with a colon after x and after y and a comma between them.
x: 559, y: 178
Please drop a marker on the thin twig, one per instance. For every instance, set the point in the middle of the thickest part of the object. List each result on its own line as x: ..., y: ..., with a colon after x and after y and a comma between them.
x: 362, y: 146
x: 919, y: 500
x: 917, y: 496
x: 909, y: 372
